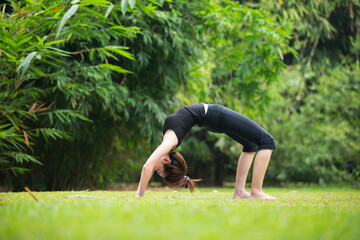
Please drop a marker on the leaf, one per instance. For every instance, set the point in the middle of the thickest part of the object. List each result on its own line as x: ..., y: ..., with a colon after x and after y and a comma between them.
x: 118, y: 49
x: 22, y: 157
x: 92, y: 54
x: 40, y: 41
x: 5, y: 125
x: 54, y: 133
x: 108, y: 11
x: 66, y: 17
x: 9, y: 41
x: 281, y: 55
x: 3, y: 161
x: 23, y: 41
x: 55, y: 42
x: 32, y: 108
x: 38, y: 71
x: 26, y: 62
x: 114, y: 68
x: 26, y: 139
x: 64, y: 114
x: 94, y: 2
x: 124, y: 4
x: 51, y: 118
x: 132, y: 3
x: 20, y: 170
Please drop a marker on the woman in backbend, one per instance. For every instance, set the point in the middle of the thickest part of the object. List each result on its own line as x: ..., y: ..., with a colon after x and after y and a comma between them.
x: 172, y: 167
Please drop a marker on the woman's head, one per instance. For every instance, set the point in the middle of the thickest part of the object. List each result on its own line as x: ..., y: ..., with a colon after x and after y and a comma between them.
x: 174, y: 173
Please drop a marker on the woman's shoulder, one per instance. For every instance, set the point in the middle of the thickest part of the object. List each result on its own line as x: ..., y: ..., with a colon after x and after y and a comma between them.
x: 170, y: 137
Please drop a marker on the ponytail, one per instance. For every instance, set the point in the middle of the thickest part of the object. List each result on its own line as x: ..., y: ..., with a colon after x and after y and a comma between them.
x: 176, y: 173
x: 190, y: 183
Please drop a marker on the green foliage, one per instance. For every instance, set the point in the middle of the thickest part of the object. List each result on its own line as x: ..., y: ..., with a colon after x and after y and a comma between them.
x: 122, y: 79
x: 43, y: 92
x: 86, y: 85
x: 244, y: 51
x: 300, y: 213
x: 326, y: 38
x: 20, y: 100
x: 173, y: 40
x: 86, y: 82
x: 317, y: 133
x: 322, y: 28
x: 314, y: 119
x: 248, y: 55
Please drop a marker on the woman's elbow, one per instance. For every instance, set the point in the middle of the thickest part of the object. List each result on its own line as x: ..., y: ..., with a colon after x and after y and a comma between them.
x: 146, y: 168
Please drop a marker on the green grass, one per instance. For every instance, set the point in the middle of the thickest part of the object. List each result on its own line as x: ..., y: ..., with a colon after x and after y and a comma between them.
x: 299, y: 213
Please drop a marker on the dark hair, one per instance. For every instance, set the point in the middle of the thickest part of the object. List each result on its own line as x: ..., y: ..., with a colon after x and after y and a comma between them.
x: 176, y: 173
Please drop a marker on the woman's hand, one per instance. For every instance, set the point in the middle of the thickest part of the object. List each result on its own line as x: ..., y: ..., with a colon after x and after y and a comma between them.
x: 169, y: 142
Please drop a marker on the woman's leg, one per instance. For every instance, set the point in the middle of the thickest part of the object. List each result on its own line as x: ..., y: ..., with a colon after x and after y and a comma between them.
x: 260, y: 165
x: 243, y: 167
x: 252, y: 137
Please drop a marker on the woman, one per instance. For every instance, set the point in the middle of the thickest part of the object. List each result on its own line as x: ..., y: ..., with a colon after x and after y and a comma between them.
x: 172, y: 167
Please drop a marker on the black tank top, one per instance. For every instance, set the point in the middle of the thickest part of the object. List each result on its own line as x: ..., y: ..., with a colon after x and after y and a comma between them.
x: 184, y: 119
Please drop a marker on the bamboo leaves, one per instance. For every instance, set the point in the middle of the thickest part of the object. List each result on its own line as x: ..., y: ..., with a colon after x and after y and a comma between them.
x: 24, y: 65
x: 85, y: 77
x: 120, y: 50
x: 29, y: 34
x: 132, y: 3
x: 108, y: 11
x: 66, y: 17
x: 124, y: 5
x: 113, y: 68
x: 54, y: 134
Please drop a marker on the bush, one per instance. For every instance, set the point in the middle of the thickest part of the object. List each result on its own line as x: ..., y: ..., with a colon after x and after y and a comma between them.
x: 316, y: 125
x: 107, y: 76
x: 50, y: 92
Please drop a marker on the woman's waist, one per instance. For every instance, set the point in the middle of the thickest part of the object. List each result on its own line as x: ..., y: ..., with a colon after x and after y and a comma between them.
x: 206, y: 106
x: 213, y: 117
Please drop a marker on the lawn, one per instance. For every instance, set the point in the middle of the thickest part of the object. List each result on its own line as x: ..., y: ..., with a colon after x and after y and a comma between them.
x: 299, y: 213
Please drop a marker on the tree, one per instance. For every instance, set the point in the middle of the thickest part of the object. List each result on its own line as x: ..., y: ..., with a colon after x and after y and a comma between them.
x: 107, y: 74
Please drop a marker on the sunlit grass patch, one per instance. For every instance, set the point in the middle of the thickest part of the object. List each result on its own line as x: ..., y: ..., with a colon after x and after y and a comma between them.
x: 297, y: 214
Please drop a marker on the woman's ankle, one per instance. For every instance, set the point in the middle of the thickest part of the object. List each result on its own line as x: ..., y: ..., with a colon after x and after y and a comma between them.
x: 240, y: 191
x: 256, y: 191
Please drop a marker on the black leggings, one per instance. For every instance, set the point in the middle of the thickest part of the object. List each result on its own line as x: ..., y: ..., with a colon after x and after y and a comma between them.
x: 245, y: 131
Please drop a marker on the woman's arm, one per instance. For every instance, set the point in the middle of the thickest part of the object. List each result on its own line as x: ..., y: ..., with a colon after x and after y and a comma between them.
x: 169, y: 142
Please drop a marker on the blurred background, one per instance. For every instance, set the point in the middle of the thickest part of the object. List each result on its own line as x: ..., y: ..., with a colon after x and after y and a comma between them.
x: 86, y: 85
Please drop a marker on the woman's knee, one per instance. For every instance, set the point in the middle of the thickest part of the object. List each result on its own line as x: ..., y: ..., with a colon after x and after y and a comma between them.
x: 269, y: 143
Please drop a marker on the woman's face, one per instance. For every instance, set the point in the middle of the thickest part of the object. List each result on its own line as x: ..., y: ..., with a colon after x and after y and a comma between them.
x: 159, y: 167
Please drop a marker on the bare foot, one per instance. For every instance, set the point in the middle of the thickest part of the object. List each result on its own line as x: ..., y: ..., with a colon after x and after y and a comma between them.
x: 241, y: 195
x: 261, y: 195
